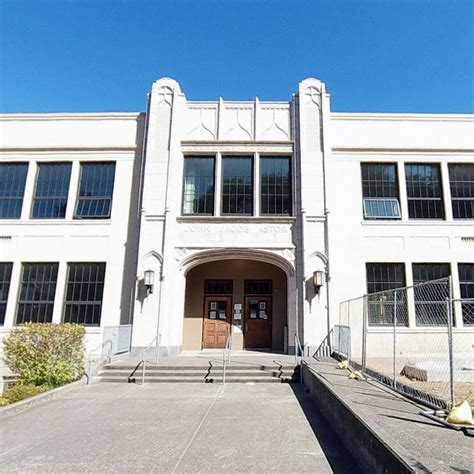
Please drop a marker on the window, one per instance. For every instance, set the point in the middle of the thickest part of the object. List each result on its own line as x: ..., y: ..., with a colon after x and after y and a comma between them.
x: 237, y: 185
x: 382, y: 304
x: 461, y: 179
x: 258, y: 287
x: 84, y: 290
x: 275, y: 185
x: 424, y: 191
x: 96, y: 187
x: 52, y: 186
x: 466, y: 283
x: 380, y: 191
x: 38, y: 287
x: 198, y: 190
x: 430, y: 299
x: 5, y: 277
x: 218, y: 287
x: 12, y: 188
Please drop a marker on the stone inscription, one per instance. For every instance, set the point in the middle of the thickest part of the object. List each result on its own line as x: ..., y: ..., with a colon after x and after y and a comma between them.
x: 235, y: 229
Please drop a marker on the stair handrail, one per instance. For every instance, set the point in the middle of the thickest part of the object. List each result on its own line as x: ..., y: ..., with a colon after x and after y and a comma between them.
x: 299, y: 355
x: 89, y: 372
x: 226, y: 356
x: 156, y: 340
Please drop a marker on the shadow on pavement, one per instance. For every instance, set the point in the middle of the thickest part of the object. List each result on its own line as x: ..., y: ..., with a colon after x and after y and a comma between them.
x: 337, y: 455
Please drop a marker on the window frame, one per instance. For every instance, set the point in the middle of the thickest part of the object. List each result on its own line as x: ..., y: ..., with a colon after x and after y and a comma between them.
x: 261, y: 158
x: 26, y: 165
x: 21, y: 301
x: 451, y: 167
x: 214, y: 180
x: 91, y: 198
x: 41, y: 198
x: 94, y: 303
x: 231, y: 156
x: 6, y: 270
x: 393, y: 199
x: 467, y: 303
x: 440, y: 199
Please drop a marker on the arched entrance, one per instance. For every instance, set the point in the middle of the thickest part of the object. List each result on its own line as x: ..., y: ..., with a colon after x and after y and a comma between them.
x: 241, y: 296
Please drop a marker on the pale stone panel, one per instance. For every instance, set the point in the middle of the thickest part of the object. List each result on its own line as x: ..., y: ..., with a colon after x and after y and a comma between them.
x: 236, y: 122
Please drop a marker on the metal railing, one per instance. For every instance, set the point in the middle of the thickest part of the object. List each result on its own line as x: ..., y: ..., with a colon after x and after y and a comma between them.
x: 98, y: 359
x: 299, y: 354
x: 226, y: 357
x: 156, y: 342
x: 417, y: 340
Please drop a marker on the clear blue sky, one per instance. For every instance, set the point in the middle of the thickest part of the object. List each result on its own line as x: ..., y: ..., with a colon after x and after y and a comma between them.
x: 103, y: 55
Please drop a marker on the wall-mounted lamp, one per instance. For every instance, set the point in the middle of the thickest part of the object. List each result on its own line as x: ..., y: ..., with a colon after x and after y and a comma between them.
x: 149, y: 281
x: 318, y: 279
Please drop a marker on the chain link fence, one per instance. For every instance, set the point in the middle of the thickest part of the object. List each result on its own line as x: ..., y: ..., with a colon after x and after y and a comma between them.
x: 418, y: 340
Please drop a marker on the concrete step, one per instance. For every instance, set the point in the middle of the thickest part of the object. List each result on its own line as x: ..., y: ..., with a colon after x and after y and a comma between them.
x: 216, y: 366
x: 195, y: 373
x: 172, y: 379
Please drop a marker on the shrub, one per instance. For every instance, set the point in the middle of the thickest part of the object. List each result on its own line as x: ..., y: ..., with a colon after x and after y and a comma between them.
x: 20, y: 392
x: 45, y: 353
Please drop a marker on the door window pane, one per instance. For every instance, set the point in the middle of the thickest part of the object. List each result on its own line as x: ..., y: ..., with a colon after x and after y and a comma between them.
x: 382, y: 304
x: 37, y: 290
x: 424, y: 191
x: 198, y: 187
x: 5, y: 278
x: 275, y: 185
x: 430, y: 299
x: 461, y: 179
x: 96, y: 187
x: 85, y: 287
x: 12, y: 188
x: 218, y: 287
x: 52, y: 187
x: 237, y: 185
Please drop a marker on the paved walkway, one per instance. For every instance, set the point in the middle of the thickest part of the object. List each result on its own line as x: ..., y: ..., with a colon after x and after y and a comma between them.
x: 173, y: 428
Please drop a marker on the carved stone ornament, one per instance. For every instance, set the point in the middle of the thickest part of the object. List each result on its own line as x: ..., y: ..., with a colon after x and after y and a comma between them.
x: 180, y: 253
x: 312, y: 95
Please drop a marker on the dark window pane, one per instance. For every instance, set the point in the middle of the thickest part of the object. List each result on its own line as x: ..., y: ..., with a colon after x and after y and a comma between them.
x: 430, y: 299
x: 258, y: 287
x: 84, y: 290
x: 12, y: 188
x: 383, y: 303
x: 237, y: 185
x: 466, y: 283
x: 52, y: 187
x: 5, y: 278
x: 96, y: 187
x: 275, y: 185
x: 37, y: 290
x: 218, y: 287
x: 461, y: 178
x: 424, y: 191
x: 198, y: 187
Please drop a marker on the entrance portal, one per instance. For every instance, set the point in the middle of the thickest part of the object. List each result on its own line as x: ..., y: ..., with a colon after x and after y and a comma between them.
x: 245, y: 298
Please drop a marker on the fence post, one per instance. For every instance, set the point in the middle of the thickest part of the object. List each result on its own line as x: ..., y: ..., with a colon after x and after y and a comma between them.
x: 395, y: 339
x: 365, y: 311
x: 449, y: 304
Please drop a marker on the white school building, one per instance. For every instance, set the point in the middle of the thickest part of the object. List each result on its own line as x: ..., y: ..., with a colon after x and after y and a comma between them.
x: 197, y: 220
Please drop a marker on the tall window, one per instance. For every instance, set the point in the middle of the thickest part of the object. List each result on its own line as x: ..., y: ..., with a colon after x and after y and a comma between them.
x: 461, y: 179
x: 85, y: 287
x: 198, y: 191
x: 38, y: 287
x: 237, y: 185
x: 466, y: 283
x: 275, y: 185
x: 380, y: 191
x: 430, y: 298
x: 52, y: 187
x: 12, y: 188
x: 424, y: 191
x: 382, y: 302
x: 5, y: 277
x: 96, y: 187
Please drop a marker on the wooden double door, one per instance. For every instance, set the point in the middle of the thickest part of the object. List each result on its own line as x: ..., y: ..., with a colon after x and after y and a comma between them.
x: 258, y: 322
x: 217, y: 321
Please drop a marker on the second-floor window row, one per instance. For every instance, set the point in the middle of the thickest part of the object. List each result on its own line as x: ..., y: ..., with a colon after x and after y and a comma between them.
x: 51, y: 190
x: 424, y: 190
x: 238, y: 183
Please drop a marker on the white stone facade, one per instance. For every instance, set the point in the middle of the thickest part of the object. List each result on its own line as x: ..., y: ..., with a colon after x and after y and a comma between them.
x: 147, y: 230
